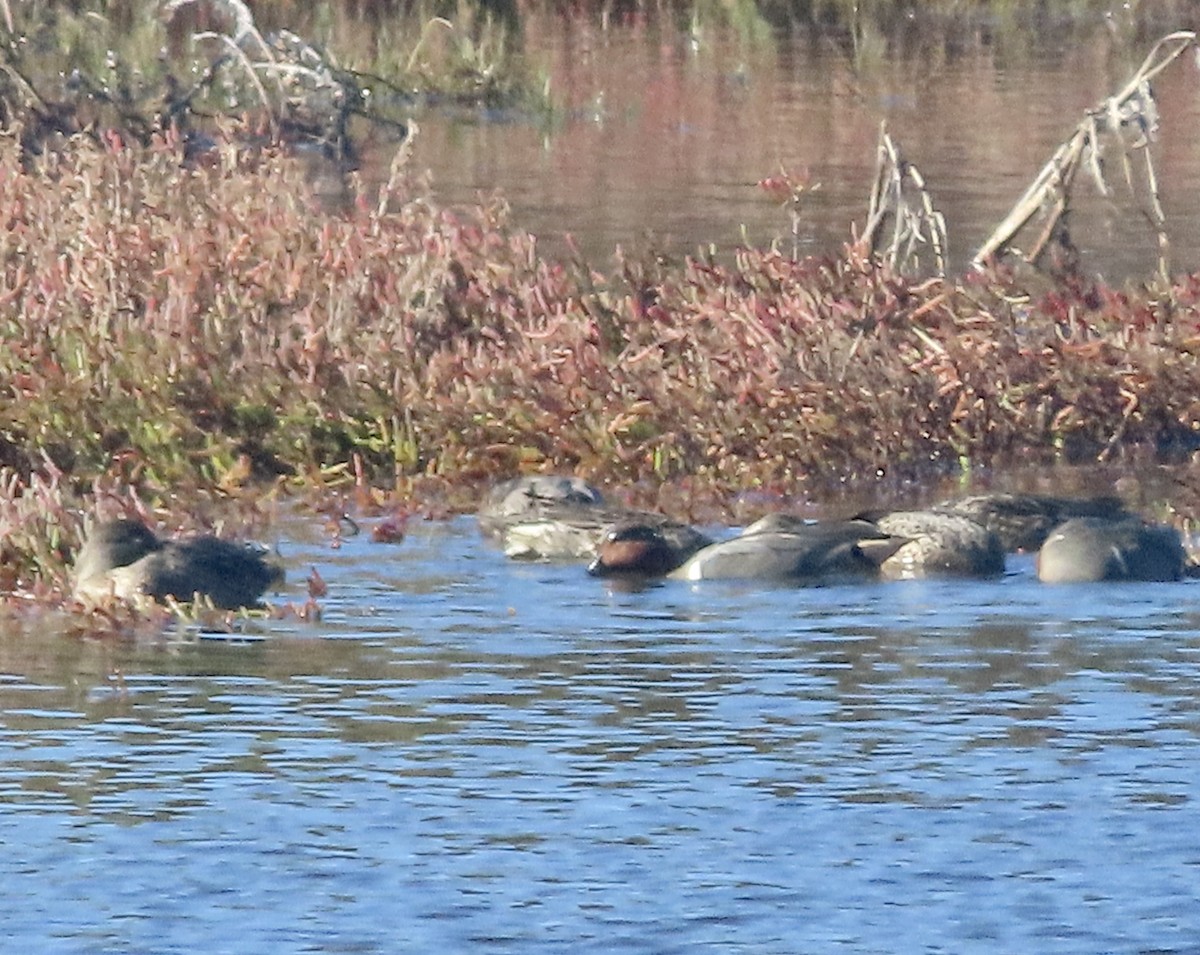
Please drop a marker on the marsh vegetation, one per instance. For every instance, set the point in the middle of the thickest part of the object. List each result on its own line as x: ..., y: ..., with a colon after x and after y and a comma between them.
x: 189, y: 322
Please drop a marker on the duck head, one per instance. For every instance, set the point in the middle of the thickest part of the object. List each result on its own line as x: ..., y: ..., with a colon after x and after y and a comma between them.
x: 635, y: 548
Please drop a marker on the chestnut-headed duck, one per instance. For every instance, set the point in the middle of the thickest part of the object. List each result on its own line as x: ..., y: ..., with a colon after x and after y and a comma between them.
x: 645, y: 546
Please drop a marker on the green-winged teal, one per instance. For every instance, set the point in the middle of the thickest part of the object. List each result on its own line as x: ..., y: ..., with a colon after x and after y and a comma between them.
x: 530, y: 496
x: 564, y: 518
x: 645, y: 546
x: 782, y: 548
x: 125, y: 559
x: 1022, y: 521
x: 1086, y: 549
x: 939, y: 544
x: 546, y: 516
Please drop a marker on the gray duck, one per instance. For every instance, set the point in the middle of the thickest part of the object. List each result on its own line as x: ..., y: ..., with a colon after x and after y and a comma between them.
x: 1090, y: 549
x: 125, y: 559
x: 783, y: 548
x: 1023, y: 521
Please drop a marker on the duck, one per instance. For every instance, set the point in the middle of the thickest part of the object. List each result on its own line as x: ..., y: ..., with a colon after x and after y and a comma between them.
x: 1022, y: 522
x: 563, y: 532
x: 645, y: 546
x: 550, y: 517
x: 1091, y: 549
x: 124, y: 558
x: 781, y: 548
x: 531, y: 496
x: 804, y: 552
x: 938, y: 544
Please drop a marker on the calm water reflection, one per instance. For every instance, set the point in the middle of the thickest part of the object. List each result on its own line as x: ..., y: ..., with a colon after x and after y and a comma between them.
x: 472, y: 754
x: 666, y: 133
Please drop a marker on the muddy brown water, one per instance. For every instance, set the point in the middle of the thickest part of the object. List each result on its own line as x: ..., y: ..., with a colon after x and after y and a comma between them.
x: 664, y: 136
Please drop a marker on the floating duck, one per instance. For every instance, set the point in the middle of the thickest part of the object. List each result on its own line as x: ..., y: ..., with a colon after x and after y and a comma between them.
x: 939, y: 544
x: 1088, y: 549
x: 646, y: 546
x: 565, y: 518
x: 125, y: 559
x: 1023, y: 521
x: 781, y: 548
x: 546, y: 516
x: 531, y: 496
x: 777, y: 548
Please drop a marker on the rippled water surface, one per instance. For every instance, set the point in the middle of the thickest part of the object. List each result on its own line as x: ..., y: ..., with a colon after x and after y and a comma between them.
x: 471, y: 754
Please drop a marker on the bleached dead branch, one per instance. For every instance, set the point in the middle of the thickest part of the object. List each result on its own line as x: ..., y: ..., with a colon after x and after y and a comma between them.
x: 899, y: 193
x: 1128, y: 118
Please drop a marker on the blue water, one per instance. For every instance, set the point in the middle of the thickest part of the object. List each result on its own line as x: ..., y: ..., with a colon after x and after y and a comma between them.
x: 471, y: 754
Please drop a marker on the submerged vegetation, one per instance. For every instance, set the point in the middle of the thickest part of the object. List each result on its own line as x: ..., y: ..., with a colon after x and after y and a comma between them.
x: 183, y: 320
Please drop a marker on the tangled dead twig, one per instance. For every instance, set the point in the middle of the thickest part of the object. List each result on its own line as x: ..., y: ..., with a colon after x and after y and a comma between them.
x: 899, y: 193
x: 216, y: 70
x: 1130, y: 119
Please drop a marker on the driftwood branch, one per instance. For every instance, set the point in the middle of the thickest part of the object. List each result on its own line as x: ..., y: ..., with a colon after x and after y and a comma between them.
x: 1130, y: 118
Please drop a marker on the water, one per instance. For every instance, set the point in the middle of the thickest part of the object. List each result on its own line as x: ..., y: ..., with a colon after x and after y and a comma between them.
x: 663, y: 135
x: 472, y: 754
